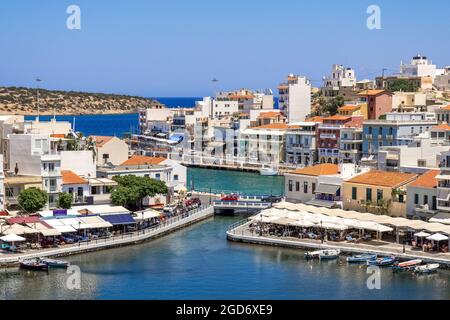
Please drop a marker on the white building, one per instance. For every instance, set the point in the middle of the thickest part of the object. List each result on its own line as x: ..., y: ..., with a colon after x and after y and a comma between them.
x: 81, y: 163
x: 442, y: 82
x: 51, y: 127
x: 341, y: 77
x: 110, y: 150
x: 420, y: 66
x: 295, y: 98
x: 36, y: 155
x: 408, y: 101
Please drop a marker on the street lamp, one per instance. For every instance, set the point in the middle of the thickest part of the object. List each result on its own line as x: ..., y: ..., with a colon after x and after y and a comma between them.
x: 38, y: 113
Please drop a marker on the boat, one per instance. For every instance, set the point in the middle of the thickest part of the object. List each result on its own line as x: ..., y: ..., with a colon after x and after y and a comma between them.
x: 329, y: 254
x: 426, y: 269
x: 407, y: 265
x: 312, y: 254
x: 385, y: 261
x: 361, y: 258
x: 55, y: 263
x: 268, y: 171
x: 34, y: 265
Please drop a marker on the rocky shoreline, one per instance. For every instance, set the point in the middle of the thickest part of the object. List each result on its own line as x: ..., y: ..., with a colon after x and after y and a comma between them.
x: 23, y: 101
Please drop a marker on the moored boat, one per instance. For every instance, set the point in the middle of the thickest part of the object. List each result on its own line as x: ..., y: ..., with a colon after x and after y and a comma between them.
x: 329, y: 254
x: 407, y: 265
x: 361, y: 258
x: 55, y: 263
x: 268, y: 171
x: 33, y: 265
x: 385, y: 261
x: 426, y: 269
x: 312, y: 254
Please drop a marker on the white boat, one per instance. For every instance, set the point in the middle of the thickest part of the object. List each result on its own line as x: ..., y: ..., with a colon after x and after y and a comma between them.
x: 268, y: 171
x: 428, y: 268
x: 329, y: 254
x: 313, y: 254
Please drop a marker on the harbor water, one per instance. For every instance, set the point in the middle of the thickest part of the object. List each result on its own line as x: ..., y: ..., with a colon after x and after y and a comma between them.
x: 199, y: 263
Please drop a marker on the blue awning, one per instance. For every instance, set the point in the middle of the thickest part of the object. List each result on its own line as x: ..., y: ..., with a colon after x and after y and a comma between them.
x: 119, y: 219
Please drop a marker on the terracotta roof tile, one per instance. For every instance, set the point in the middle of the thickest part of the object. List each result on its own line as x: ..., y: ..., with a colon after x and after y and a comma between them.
x: 427, y: 180
x: 100, y: 141
x: 443, y: 126
x: 349, y: 108
x: 142, y: 160
x: 318, y: 170
x: 274, y: 126
x: 69, y: 177
x: 371, y: 92
x: 383, y: 178
x: 270, y: 114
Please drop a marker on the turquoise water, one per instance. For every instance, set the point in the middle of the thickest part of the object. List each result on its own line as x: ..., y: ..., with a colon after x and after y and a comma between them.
x: 219, y: 181
x: 199, y: 263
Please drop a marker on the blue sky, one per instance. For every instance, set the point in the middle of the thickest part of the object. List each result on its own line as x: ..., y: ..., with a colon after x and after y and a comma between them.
x: 175, y: 47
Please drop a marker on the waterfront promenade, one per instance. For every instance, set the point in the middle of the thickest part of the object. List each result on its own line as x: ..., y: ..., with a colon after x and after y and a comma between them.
x: 240, y: 232
x: 170, y: 225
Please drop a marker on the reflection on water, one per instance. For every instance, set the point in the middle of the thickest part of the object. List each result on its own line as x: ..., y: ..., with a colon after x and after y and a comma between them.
x: 199, y: 263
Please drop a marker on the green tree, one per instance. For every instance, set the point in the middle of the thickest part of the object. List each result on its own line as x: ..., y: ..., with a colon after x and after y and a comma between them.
x: 402, y: 85
x: 333, y: 105
x: 133, y: 189
x: 32, y: 200
x: 65, y: 200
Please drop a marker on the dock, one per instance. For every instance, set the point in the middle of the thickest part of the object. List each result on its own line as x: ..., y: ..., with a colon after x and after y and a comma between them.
x: 168, y: 226
x: 240, y: 232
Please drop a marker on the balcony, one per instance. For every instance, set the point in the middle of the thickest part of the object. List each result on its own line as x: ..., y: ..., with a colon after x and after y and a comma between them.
x: 368, y: 136
x: 327, y: 136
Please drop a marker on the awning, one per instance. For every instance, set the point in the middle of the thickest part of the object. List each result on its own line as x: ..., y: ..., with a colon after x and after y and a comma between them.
x: 422, y: 234
x: 18, y: 229
x: 327, y: 188
x: 61, y: 227
x: 437, y: 237
x: 46, y: 231
x: 283, y: 221
x: 441, y: 217
x: 95, y: 222
x: 12, y: 238
x: 119, y: 219
x: 146, y: 215
x: 443, y: 177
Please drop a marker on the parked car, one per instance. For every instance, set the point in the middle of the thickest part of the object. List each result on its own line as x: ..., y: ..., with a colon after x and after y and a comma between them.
x: 230, y: 197
x: 272, y: 199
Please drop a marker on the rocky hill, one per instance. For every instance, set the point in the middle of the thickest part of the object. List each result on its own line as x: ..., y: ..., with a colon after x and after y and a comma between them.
x: 14, y: 100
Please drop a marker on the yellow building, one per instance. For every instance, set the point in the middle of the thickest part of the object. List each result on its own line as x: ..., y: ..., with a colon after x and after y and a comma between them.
x: 378, y: 192
x: 354, y: 110
x: 14, y: 185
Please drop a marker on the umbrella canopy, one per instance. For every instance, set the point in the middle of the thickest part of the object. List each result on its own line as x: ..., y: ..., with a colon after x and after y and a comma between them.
x: 437, y: 237
x: 12, y: 238
x: 422, y: 235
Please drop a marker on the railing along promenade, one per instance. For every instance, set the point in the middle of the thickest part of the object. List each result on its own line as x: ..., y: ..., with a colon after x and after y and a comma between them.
x: 160, y: 229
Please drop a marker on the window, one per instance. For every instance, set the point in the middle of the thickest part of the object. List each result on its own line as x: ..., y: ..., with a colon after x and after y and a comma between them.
x: 401, y: 198
x: 305, y: 187
x: 297, y: 186
x: 425, y: 199
x: 158, y: 176
x: 70, y: 190
x: 80, y: 191
x: 290, y: 185
x: 51, y: 167
x: 434, y: 205
x: 379, y: 194
x: 9, y: 192
x: 313, y: 187
x: 368, y: 194
x: 354, y: 193
x: 175, y: 177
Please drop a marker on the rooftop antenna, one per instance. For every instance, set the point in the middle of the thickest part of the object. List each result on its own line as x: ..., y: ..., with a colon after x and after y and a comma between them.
x: 383, y: 71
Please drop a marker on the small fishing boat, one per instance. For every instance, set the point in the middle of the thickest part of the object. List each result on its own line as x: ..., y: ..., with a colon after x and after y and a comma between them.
x: 329, y: 254
x: 380, y: 262
x: 268, y: 171
x: 426, y: 269
x: 312, y: 254
x: 34, y: 265
x: 407, y: 265
x: 55, y: 263
x: 361, y: 258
